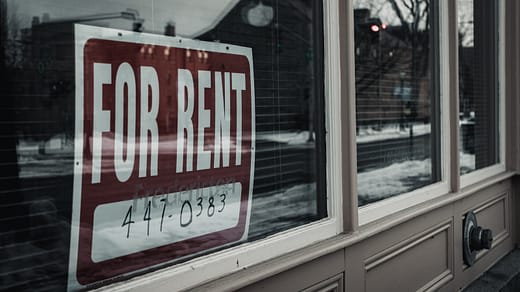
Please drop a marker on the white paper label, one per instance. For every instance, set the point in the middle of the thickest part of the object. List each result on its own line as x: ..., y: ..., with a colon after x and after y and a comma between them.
x: 126, y: 227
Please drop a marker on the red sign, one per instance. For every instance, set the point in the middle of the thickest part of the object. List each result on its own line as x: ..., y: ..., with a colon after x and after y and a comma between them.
x: 165, y: 150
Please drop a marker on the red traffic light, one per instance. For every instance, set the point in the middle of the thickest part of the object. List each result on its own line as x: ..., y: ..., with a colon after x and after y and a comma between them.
x: 374, y: 27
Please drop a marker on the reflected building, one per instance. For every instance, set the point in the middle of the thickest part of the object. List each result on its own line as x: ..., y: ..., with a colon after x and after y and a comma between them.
x: 392, y: 65
x: 355, y: 172
x: 394, y: 91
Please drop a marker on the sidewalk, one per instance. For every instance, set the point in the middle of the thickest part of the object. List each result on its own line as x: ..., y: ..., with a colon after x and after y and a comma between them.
x: 504, y: 276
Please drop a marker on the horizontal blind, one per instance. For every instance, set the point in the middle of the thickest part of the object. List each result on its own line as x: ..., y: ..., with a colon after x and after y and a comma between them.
x: 288, y: 108
x: 396, y: 100
x: 478, y: 84
x: 37, y: 132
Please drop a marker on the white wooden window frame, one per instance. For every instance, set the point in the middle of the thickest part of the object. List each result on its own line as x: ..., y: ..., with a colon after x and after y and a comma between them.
x: 384, y: 208
x: 218, y: 264
x: 484, y: 173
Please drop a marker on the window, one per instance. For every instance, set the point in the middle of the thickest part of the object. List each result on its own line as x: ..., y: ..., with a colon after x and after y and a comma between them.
x: 39, y: 122
x: 478, y: 84
x: 397, y: 97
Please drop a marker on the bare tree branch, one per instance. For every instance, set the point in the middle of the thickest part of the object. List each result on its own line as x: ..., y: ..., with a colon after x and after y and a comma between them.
x: 409, y: 6
x: 399, y: 14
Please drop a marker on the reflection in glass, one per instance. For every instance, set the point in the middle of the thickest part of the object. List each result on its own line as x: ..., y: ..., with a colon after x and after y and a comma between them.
x: 37, y: 122
x: 478, y: 84
x: 396, y: 97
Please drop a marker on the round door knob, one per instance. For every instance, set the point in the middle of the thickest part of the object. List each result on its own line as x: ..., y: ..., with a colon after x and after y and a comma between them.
x: 486, y: 239
x: 480, y: 238
x: 474, y: 238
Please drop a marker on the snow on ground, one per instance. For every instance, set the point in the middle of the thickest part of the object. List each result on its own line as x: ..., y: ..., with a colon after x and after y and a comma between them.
x: 51, y: 158
x: 55, y: 157
x: 467, y: 162
x: 401, y: 177
x: 394, y: 179
x: 364, y: 135
x: 392, y: 131
x: 291, y: 138
x: 281, y: 209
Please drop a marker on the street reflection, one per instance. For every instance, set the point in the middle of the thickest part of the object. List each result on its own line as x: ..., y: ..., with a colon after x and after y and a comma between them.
x: 38, y: 116
x: 395, y: 97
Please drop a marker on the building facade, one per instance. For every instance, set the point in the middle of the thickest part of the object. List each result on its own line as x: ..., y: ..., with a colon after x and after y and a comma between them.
x: 338, y: 145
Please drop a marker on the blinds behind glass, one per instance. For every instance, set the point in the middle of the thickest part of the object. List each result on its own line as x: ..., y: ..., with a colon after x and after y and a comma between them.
x: 37, y: 126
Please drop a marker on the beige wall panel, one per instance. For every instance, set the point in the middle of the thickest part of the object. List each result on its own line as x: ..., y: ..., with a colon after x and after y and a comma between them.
x: 416, y: 264
x: 421, y: 253
x: 494, y: 215
x: 481, y: 197
x: 515, y: 205
x: 334, y: 284
x: 304, y: 276
x: 493, y: 209
x: 408, y: 229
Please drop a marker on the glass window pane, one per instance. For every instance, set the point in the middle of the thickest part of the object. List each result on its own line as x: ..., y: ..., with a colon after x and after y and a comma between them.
x: 478, y: 84
x: 38, y: 138
x: 397, y: 110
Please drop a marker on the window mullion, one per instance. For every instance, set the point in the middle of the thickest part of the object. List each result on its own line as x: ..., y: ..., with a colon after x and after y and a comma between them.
x: 512, y: 104
x: 348, y: 117
x: 453, y: 95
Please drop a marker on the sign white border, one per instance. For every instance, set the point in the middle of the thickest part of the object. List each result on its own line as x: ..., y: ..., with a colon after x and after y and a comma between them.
x: 83, y: 33
x: 225, y: 262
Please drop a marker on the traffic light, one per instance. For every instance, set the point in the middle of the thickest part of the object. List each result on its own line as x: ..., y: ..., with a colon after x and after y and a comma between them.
x: 374, y: 28
x: 368, y: 34
x: 369, y: 29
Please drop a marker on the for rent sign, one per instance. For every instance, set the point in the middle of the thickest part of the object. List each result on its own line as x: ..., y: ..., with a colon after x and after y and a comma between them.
x: 164, y: 150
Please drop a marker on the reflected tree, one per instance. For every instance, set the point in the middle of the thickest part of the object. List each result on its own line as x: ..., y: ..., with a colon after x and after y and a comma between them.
x: 417, y: 30
x: 12, y: 27
x: 396, y: 90
x: 402, y: 45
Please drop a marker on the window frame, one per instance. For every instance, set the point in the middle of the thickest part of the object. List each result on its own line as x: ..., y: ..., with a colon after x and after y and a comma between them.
x: 381, y: 209
x: 218, y: 264
x: 341, y: 171
x: 451, y: 181
x: 478, y: 175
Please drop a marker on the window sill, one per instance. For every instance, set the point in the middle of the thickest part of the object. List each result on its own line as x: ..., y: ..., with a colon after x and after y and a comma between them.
x: 275, y: 265
x: 384, y: 208
x: 470, y: 183
x: 227, y: 262
x: 438, y: 201
x: 481, y: 175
